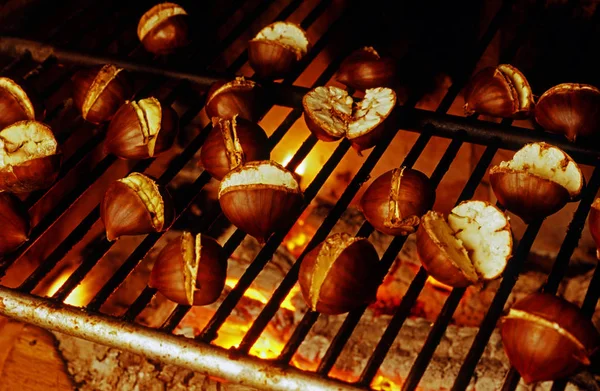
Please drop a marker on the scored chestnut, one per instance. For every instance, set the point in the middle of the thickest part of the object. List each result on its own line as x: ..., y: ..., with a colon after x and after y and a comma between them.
x: 365, y: 68
x: 547, y: 338
x: 538, y: 181
x: 29, y: 157
x: 232, y: 143
x: 16, y: 105
x: 136, y: 205
x: 501, y: 91
x: 239, y: 96
x: 274, y: 51
x: 142, y: 129
x: 190, y: 270
x: 259, y: 198
x: 340, y: 274
x: 331, y: 114
x: 594, y: 224
x: 14, y: 221
x: 98, y: 92
x: 570, y: 109
x: 163, y: 28
x: 396, y: 200
x: 475, y: 243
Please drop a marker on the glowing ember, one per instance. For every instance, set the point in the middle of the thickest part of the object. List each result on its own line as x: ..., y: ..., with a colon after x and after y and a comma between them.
x: 300, y: 170
x: 436, y: 284
x: 259, y: 296
x: 76, y: 298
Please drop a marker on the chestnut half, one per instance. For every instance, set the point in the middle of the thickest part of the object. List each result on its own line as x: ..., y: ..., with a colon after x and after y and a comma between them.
x: 259, y: 198
x: 142, y: 129
x: 365, y: 68
x: 163, y: 28
x: 331, y: 114
x: 501, y: 91
x: 98, y: 92
x: 570, y: 109
x: 276, y: 49
x: 136, y: 205
x: 29, y: 157
x: 547, y: 338
x: 190, y: 270
x: 340, y: 274
x: 232, y: 143
x: 474, y: 244
x: 236, y: 97
x: 396, y: 200
x: 538, y: 181
x: 14, y: 221
x: 15, y: 105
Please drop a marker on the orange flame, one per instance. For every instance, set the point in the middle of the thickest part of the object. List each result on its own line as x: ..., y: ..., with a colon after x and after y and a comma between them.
x: 440, y: 285
x: 78, y: 295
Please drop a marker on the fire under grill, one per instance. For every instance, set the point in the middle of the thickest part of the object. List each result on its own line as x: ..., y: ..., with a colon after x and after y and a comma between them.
x: 51, y: 41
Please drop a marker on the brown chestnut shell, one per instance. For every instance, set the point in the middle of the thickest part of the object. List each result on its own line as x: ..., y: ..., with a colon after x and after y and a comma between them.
x: 216, y: 152
x: 15, y: 223
x: 163, y: 29
x: 351, y: 280
x: 547, y: 338
x: 239, y: 96
x: 570, y: 109
x: 98, y: 92
x: 18, y: 102
x: 396, y: 200
x: 168, y: 275
x: 365, y: 68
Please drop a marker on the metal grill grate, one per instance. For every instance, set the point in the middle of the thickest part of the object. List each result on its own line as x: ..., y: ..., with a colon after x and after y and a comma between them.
x: 37, y: 58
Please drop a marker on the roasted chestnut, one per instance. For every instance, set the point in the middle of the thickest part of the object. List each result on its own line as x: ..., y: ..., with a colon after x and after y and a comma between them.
x: 136, y: 205
x: 142, y: 129
x: 331, y: 114
x: 365, y: 68
x: 570, y: 109
x: 547, y: 338
x: 14, y: 221
x: 232, y: 143
x: 594, y: 224
x: 259, y: 198
x: 473, y: 245
x: 396, y: 200
x: 190, y: 270
x: 163, y: 28
x: 501, y: 91
x: 276, y: 49
x: 15, y: 104
x: 29, y: 157
x: 98, y: 92
x: 237, y: 97
x: 340, y: 274
x: 538, y: 181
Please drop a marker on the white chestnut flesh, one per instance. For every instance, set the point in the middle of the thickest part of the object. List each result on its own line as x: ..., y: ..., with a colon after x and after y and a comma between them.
x: 340, y: 274
x: 330, y: 114
x: 475, y: 243
x: 259, y: 198
x: 29, y: 157
x: 538, y: 181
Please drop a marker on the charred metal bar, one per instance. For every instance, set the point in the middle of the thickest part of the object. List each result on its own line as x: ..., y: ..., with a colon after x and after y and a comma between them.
x: 591, y: 297
x: 183, y: 352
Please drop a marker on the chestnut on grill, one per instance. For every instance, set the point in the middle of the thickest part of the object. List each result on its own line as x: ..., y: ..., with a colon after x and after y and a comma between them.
x: 570, y: 109
x: 340, y: 274
x: 474, y: 244
x: 16, y: 105
x: 239, y: 96
x: 365, y: 68
x: 29, y: 157
x: 547, y: 338
x: 232, y: 143
x: 14, y: 221
x: 538, y: 181
x: 136, y: 205
x: 163, y: 28
x: 331, y: 114
x: 274, y: 51
x: 396, y: 200
x: 259, y: 198
x: 142, y: 129
x: 501, y: 91
x: 98, y: 92
x: 190, y: 270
